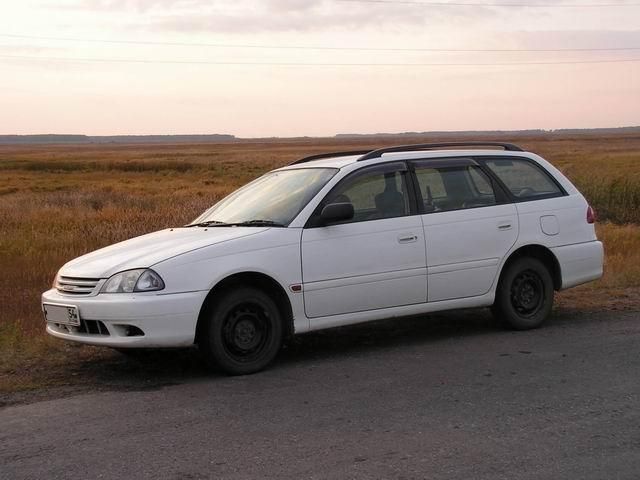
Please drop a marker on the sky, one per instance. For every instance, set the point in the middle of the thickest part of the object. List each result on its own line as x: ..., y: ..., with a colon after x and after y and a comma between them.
x: 108, y: 67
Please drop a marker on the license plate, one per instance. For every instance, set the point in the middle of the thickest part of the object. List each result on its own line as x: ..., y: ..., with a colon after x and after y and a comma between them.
x: 65, y: 314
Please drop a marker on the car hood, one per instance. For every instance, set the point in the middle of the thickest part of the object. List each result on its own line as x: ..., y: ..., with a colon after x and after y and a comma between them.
x: 147, y: 250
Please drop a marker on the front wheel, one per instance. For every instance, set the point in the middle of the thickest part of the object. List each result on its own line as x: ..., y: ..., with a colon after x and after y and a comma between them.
x: 242, y: 333
x: 524, y: 297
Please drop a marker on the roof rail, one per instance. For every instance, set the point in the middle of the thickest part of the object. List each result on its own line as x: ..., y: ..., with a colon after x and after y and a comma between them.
x: 329, y: 155
x: 428, y: 146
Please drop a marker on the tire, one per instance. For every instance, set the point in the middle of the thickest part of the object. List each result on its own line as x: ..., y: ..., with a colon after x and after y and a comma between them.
x: 242, y: 333
x: 524, y: 297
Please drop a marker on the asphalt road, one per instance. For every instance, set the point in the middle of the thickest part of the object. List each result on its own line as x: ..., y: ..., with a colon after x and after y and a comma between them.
x: 446, y: 397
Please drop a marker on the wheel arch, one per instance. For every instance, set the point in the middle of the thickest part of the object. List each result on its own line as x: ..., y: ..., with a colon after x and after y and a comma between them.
x: 251, y: 279
x: 542, y: 253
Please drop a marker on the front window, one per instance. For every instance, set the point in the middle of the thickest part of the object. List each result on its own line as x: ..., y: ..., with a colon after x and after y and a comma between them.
x: 374, y: 194
x: 275, y: 198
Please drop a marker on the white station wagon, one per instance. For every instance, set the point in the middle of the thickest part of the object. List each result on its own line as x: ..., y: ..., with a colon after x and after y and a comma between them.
x: 336, y: 239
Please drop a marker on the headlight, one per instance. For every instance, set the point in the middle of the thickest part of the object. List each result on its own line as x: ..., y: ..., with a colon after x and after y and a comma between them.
x: 140, y: 280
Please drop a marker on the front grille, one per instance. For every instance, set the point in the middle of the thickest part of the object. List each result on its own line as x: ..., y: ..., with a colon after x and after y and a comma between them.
x: 86, y: 327
x: 93, y: 327
x: 76, y: 286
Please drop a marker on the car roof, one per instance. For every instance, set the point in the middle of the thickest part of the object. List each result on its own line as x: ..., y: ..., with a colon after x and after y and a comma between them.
x: 343, y: 161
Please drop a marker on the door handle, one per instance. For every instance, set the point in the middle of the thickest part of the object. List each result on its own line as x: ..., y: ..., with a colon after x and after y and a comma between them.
x: 407, y: 238
x: 504, y: 226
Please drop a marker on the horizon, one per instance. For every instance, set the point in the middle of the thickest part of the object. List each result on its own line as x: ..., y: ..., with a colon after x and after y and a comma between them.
x: 335, y: 135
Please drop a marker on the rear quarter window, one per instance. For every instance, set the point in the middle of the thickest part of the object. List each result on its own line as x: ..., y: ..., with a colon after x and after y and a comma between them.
x: 524, y: 179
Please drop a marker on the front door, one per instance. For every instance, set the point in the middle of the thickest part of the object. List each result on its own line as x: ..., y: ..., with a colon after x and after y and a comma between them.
x: 376, y: 260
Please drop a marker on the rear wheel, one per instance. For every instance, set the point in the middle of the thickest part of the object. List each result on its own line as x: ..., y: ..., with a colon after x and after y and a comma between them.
x: 242, y: 333
x: 524, y: 297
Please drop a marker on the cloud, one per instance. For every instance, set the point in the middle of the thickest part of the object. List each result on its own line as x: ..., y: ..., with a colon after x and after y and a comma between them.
x: 273, y: 16
x: 136, y: 5
x: 577, y: 38
x: 309, y: 16
x: 14, y: 49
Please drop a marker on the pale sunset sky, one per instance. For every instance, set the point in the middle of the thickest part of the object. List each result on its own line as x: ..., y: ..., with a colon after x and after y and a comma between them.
x: 107, y: 67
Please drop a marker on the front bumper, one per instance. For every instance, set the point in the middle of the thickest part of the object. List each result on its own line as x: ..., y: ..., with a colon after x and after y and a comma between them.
x: 130, y: 320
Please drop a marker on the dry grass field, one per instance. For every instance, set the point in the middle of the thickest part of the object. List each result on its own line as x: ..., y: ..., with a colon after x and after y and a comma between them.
x: 60, y: 201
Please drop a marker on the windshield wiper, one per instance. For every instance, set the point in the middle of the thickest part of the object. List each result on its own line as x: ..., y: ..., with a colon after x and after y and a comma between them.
x: 258, y: 223
x: 248, y: 223
x: 209, y: 223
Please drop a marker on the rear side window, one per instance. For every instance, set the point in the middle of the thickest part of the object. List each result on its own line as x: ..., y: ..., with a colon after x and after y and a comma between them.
x: 480, y: 182
x: 431, y: 184
x: 454, y: 188
x: 524, y: 179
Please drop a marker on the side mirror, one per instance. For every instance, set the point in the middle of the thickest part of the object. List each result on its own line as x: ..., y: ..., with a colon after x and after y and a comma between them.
x: 336, y: 212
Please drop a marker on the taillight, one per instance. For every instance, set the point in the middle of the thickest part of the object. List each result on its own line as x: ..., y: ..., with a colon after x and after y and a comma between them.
x: 591, y: 215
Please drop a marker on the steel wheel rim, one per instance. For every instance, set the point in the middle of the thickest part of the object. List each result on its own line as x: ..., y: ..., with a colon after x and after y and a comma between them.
x: 527, y: 293
x: 246, y: 331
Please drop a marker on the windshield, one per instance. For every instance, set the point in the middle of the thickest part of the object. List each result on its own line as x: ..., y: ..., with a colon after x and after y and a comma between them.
x: 276, y: 198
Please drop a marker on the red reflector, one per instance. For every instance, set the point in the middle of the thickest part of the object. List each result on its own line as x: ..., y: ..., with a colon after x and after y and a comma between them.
x: 591, y: 215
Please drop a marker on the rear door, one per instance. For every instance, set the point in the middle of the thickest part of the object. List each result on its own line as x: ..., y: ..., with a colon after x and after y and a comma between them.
x: 469, y: 226
x: 374, y: 261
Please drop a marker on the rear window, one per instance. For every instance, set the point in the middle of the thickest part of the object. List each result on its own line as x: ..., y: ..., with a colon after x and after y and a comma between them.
x: 524, y: 179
